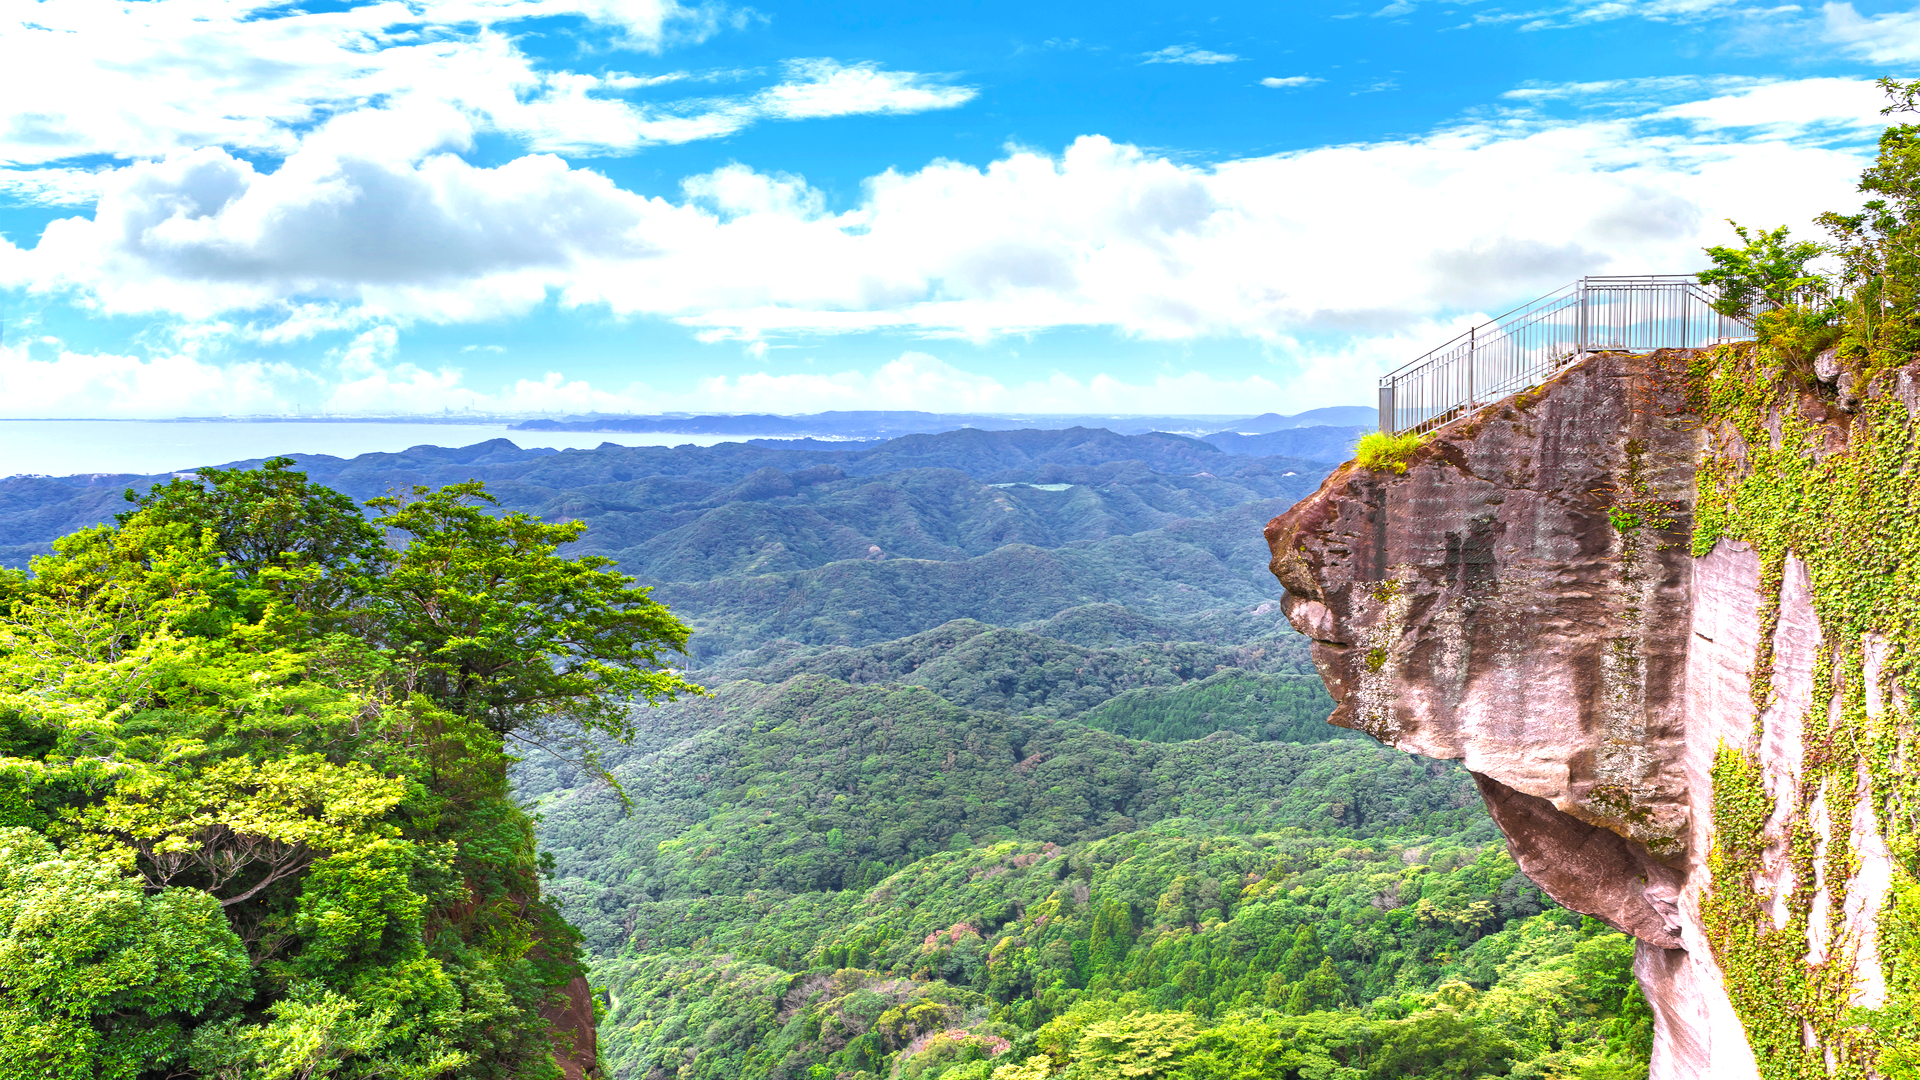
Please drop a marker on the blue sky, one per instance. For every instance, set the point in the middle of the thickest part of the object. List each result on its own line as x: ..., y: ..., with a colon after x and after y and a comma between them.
x: 513, y: 206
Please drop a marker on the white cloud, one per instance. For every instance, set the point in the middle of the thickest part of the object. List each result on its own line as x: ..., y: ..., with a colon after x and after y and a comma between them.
x: 1661, y: 11
x: 736, y: 190
x: 1786, y: 109
x: 1891, y: 37
x: 1358, y: 242
x: 1290, y: 82
x: 51, y: 186
x: 286, y: 323
x: 136, y: 80
x: 621, y: 80
x: 106, y: 385
x: 93, y: 78
x: 365, y: 377
x: 917, y: 380
x: 1640, y: 92
x: 372, y: 381
x: 1746, y: 22
x: 816, y: 88
x: 1187, y: 54
x: 571, y: 120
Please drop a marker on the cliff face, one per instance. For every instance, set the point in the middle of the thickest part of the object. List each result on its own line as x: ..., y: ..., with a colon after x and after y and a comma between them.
x: 577, y: 1052
x: 1535, y: 598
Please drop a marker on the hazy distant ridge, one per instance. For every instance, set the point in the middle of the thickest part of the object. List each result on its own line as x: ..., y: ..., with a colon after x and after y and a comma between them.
x: 871, y: 424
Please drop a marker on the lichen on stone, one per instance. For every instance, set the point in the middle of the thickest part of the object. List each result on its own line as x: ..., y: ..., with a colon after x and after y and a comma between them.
x: 1384, y: 604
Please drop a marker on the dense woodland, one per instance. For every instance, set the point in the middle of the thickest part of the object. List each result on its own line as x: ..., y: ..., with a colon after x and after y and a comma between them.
x: 1007, y: 767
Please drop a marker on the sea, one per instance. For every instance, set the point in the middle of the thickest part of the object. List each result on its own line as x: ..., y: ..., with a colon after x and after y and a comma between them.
x: 67, y: 447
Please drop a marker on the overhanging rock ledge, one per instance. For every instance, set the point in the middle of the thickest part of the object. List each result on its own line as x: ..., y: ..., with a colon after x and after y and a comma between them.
x: 1522, y: 599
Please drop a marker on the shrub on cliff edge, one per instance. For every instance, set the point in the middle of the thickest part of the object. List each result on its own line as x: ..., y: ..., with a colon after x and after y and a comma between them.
x: 1387, y: 453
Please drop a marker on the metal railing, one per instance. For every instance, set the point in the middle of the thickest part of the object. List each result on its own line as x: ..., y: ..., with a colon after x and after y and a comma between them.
x: 1524, y: 347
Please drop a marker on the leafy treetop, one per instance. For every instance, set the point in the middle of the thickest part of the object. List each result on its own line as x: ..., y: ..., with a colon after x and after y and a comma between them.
x: 1764, y: 269
x: 254, y: 818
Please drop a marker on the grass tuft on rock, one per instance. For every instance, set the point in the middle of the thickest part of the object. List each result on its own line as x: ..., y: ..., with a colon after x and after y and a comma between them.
x: 1388, y: 453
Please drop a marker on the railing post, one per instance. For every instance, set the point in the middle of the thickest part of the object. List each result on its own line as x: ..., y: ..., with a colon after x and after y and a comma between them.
x: 1580, y: 322
x: 1386, y: 408
x: 1472, y: 332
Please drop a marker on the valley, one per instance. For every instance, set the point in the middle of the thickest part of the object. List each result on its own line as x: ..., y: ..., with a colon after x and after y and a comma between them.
x: 1010, y: 762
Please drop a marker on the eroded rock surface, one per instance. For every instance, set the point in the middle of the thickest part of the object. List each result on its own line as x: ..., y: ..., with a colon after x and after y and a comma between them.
x: 1522, y: 599
x: 578, y: 1051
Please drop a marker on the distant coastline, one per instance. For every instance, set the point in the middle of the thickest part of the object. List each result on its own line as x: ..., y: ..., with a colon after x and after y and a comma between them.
x: 132, y: 447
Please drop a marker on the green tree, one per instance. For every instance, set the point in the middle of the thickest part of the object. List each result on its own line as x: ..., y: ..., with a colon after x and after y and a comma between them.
x: 1442, y: 1040
x: 100, y: 978
x: 262, y: 752
x: 1305, y: 955
x: 1246, y: 1047
x: 1879, y: 247
x: 1764, y: 270
x: 1321, y: 988
x: 498, y: 627
x: 1143, y: 1046
x: 271, y: 518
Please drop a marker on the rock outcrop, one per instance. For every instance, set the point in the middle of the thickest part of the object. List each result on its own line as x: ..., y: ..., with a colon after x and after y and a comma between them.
x: 1523, y: 599
x: 578, y: 1051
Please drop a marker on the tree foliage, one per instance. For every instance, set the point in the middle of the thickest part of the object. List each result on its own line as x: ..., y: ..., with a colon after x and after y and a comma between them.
x: 1766, y: 271
x: 1152, y: 954
x: 254, y: 785
x: 1879, y: 246
x: 502, y: 630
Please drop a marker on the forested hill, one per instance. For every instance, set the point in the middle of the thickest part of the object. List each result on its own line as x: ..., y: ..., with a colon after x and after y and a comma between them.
x: 1011, y: 767
x: 754, y: 543
x: 693, y: 513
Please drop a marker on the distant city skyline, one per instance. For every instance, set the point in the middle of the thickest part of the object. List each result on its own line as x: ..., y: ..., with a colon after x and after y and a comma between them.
x: 519, y: 207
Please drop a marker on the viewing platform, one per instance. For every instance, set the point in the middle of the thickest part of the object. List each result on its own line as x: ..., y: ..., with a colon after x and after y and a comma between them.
x: 1524, y: 347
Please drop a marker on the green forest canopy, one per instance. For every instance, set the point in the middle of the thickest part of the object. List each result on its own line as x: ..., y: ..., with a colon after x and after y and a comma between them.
x: 1120, y: 826
x: 254, y: 818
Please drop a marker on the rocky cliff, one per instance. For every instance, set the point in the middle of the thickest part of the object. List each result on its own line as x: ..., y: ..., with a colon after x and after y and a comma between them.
x: 1660, y: 607
x: 577, y: 1048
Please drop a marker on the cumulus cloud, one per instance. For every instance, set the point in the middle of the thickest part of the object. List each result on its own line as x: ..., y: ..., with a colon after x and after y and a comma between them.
x: 134, y: 81
x: 368, y: 377
x: 1289, y: 82
x: 1891, y: 37
x: 1102, y: 234
x: 69, y: 383
x: 1187, y: 54
x: 202, y: 232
